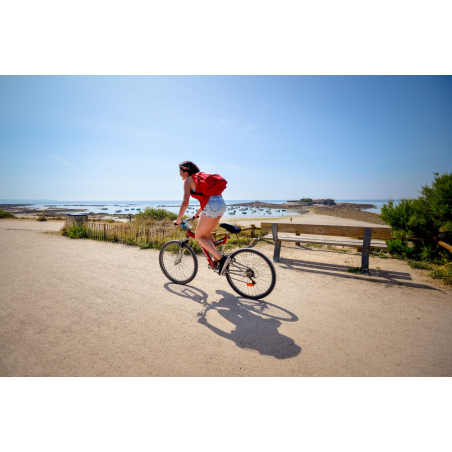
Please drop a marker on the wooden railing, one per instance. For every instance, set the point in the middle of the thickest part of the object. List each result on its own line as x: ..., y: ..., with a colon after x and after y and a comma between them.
x: 444, y: 245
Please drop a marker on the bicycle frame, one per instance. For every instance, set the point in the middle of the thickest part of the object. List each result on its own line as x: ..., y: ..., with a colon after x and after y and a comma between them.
x: 250, y: 273
x: 206, y: 253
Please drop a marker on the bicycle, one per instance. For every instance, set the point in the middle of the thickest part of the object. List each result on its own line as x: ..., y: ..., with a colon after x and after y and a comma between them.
x: 250, y: 273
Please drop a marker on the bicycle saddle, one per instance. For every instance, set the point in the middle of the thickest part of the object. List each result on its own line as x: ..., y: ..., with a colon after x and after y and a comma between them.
x: 230, y: 228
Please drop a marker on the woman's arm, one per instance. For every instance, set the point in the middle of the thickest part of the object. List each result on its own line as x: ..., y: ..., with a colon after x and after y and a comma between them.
x: 185, y: 201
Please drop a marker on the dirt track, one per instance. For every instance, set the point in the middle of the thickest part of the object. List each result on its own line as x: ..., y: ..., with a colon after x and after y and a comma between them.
x: 87, y: 308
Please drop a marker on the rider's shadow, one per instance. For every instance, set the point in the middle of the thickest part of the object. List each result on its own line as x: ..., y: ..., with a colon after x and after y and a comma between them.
x: 256, y: 323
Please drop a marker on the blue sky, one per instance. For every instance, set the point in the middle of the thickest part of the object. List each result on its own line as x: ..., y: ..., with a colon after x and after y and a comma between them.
x: 271, y: 137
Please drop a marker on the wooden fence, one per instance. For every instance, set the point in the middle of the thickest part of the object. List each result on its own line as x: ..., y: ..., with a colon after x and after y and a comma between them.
x: 129, y: 234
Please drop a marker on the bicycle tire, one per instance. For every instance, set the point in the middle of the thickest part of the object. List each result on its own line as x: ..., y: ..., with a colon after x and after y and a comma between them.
x: 173, y: 270
x: 248, y: 267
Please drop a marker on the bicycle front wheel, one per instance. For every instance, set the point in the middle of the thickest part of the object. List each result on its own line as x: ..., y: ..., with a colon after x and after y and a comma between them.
x: 251, y: 274
x: 178, y: 263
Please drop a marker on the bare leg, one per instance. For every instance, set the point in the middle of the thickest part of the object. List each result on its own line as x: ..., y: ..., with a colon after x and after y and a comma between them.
x: 204, y: 235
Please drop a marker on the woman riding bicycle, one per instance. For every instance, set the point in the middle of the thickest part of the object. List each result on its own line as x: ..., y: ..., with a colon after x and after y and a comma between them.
x: 211, y: 210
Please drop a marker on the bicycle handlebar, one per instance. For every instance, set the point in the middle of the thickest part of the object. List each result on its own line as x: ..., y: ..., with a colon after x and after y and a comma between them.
x: 184, y: 223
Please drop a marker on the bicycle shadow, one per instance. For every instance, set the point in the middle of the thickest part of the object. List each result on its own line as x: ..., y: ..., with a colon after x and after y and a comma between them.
x: 256, y: 322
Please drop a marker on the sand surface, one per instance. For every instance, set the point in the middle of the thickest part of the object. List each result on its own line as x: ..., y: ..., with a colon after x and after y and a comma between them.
x: 308, y: 218
x: 86, y: 308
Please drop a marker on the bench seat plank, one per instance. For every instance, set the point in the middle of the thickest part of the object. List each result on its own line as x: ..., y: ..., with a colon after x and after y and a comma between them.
x: 334, y: 241
x: 378, y: 232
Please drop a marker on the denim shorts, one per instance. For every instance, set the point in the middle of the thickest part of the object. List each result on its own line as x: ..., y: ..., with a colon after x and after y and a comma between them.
x: 215, y: 207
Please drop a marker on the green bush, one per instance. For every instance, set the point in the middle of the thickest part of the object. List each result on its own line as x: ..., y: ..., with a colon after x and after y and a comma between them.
x: 427, y: 217
x: 4, y: 214
x: 401, y: 249
x: 151, y: 214
x: 76, y: 231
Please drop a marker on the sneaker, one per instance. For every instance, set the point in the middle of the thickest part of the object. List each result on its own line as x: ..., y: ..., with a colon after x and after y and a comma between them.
x: 223, y: 264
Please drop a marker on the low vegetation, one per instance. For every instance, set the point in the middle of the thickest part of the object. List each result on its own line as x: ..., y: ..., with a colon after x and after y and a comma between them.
x: 4, y: 214
x: 150, y: 215
x: 443, y: 272
x: 150, y: 229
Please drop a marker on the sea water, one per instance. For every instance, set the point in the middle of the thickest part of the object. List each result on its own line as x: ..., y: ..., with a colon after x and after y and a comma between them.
x: 110, y: 207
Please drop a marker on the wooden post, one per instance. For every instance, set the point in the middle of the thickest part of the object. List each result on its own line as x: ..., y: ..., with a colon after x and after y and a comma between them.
x: 105, y: 232
x: 366, y: 248
x: 252, y: 230
x: 297, y: 243
x: 277, y: 252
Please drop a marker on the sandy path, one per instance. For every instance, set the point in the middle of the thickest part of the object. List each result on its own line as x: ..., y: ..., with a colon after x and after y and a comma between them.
x: 87, y: 308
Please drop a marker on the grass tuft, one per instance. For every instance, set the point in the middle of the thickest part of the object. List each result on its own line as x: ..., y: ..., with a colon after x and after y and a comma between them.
x: 420, y: 265
x: 356, y: 270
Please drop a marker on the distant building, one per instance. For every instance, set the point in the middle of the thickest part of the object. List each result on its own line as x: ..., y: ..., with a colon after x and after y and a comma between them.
x: 297, y: 203
x: 326, y: 202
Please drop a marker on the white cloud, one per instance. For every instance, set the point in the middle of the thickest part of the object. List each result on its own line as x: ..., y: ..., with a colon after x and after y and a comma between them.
x: 61, y: 160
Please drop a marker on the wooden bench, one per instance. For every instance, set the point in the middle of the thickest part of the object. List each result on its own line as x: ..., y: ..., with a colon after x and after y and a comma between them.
x: 350, y: 236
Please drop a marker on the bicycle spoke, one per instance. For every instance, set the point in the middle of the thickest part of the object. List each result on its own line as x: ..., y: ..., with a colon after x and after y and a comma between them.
x: 179, y: 265
x: 251, y: 274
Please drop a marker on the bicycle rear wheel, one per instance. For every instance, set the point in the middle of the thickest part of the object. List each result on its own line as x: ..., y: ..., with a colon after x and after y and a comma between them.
x: 178, y: 263
x: 251, y: 274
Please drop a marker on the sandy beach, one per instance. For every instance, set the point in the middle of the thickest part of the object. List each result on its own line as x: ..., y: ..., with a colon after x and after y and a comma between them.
x: 87, y: 308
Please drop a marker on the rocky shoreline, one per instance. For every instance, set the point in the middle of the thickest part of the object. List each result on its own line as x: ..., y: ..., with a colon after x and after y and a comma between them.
x: 344, y: 210
x: 292, y: 207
